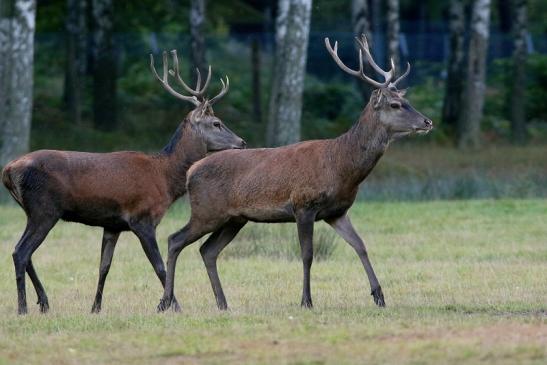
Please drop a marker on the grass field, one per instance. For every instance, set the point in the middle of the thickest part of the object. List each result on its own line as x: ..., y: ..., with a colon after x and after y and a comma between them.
x: 465, y: 282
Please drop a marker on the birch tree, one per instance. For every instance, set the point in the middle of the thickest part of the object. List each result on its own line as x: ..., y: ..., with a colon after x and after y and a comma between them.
x: 17, y: 24
x: 393, y: 30
x: 455, y: 67
x: 197, y: 38
x: 518, y: 95
x: 360, y: 19
x: 76, y: 57
x: 473, y: 98
x: 291, y: 40
x: 104, y: 66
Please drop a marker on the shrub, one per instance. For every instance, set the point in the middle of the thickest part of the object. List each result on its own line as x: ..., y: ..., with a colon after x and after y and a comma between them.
x: 280, y: 241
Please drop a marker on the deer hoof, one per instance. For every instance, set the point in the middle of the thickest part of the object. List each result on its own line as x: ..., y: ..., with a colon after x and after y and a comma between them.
x: 175, y: 305
x: 165, y: 304
x: 44, y: 305
x: 306, y: 303
x: 96, y: 309
x: 378, y: 297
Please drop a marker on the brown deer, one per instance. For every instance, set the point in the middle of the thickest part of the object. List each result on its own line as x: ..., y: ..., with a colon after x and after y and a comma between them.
x: 303, y: 183
x: 119, y: 191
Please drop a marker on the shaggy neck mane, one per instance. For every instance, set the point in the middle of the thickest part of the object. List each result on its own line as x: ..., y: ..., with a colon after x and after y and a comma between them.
x: 183, y: 149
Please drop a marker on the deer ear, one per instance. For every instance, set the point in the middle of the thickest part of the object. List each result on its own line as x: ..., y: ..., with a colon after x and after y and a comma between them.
x: 402, y: 92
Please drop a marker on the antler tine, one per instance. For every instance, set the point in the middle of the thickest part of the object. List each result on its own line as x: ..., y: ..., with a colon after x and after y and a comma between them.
x: 360, y: 73
x: 223, y: 91
x: 388, y: 75
x: 405, y: 74
x: 334, y: 54
x: 207, y: 80
x: 176, y: 74
x: 165, y: 82
x: 198, y: 81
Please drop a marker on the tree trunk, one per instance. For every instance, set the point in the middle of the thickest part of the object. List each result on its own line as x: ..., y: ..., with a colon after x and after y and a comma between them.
x: 518, y: 97
x: 255, y: 66
x: 76, y: 58
x: 197, y: 39
x: 473, y: 100
x: 292, y: 31
x: 393, y: 30
x: 17, y: 24
x: 452, y: 105
x: 360, y: 19
x: 104, y: 73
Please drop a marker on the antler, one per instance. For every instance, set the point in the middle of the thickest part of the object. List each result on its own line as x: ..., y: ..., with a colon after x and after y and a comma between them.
x: 394, y: 83
x: 165, y: 79
x: 198, y: 92
x: 223, y: 91
x: 364, y: 47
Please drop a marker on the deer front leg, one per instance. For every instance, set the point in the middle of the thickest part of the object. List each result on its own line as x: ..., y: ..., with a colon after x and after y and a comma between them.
x: 210, y: 251
x: 344, y: 228
x: 107, y: 251
x: 147, y: 236
x: 304, y: 223
x: 176, y: 242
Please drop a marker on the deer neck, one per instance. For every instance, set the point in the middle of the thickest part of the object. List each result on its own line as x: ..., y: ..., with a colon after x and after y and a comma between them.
x: 184, y: 148
x: 361, y: 147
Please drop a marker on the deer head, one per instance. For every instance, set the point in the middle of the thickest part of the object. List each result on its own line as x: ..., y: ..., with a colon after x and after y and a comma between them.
x: 202, y: 121
x: 390, y: 107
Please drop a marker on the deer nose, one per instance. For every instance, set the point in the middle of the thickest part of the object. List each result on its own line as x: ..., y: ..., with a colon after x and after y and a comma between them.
x: 243, y: 143
x: 428, y: 123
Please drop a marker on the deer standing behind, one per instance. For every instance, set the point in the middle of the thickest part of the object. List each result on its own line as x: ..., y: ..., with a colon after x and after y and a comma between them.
x: 303, y: 183
x: 119, y: 191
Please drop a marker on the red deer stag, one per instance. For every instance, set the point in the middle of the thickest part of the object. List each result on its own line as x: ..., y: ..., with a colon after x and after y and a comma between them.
x: 302, y: 183
x: 119, y: 191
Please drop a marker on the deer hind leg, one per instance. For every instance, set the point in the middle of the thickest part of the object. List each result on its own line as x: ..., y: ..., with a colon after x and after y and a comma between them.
x: 192, y: 232
x: 34, y: 235
x: 304, y: 222
x: 344, y: 228
x: 40, y: 291
x: 147, y: 236
x: 107, y: 251
x: 210, y: 251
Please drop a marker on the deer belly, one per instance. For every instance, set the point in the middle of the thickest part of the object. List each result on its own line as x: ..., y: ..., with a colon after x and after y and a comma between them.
x: 100, y: 212
x: 270, y: 214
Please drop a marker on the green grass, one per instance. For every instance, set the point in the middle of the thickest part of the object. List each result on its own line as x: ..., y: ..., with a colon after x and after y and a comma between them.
x: 465, y: 282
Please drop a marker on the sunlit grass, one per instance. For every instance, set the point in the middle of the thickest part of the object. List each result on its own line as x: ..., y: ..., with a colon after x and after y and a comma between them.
x: 464, y: 282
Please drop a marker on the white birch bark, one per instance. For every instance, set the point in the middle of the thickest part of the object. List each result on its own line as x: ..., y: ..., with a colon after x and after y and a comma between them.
x: 393, y: 30
x: 17, y: 24
x: 292, y: 32
x: 473, y: 98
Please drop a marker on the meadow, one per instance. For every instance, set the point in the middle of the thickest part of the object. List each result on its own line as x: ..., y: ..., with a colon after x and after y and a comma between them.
x: 465, y: 281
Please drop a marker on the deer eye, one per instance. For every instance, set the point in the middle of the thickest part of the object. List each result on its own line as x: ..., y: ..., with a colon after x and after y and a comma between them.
x: 395, y: 105
x: 217, y: 124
